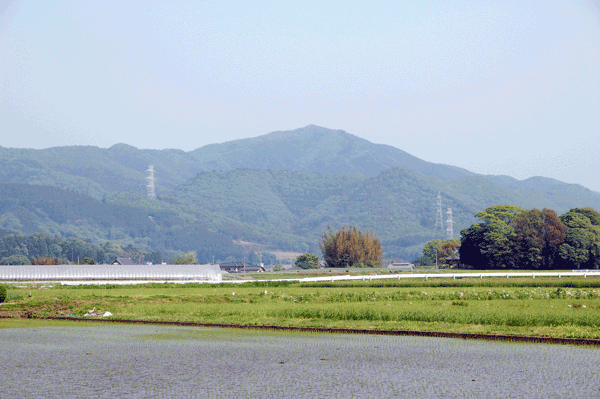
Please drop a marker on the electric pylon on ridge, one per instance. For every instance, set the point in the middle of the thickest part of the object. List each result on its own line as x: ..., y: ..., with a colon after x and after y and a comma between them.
x: 438, y: 216
x: 150, y: 178
x: 449, y: 225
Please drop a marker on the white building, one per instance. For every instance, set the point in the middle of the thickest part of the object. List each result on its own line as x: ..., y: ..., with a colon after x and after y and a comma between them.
x: 401, y: 266
x: 111, y: 273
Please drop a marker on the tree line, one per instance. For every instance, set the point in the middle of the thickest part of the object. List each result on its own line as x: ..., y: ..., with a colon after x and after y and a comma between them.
x: 40, y: 248
x: 509, y: 237
x: 43, y: 249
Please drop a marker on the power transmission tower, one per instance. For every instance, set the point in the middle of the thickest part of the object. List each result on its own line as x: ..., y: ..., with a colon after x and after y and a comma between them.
x: 150, y: 178
x: 449, y: 225
x: 438, y: 216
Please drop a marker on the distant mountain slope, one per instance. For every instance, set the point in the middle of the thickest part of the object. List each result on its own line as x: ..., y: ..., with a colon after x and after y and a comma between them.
x: 57, y: 212
x: 316, y: 149
x: 281, y: 190
x: 96, y: 171
x: 561, y: 193
x: 290, y: 210
x: 31, y: 208
x: 122, y: 168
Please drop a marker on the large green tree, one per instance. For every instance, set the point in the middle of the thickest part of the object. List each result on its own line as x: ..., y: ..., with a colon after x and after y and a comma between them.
x: 487, y: 244
x: 554, y: 233
x: 431, y: 250
x: 510, y: 237
x: 437, y: 252
x: 581, y: 248
x: 187, y: 259
x: 538, y: 235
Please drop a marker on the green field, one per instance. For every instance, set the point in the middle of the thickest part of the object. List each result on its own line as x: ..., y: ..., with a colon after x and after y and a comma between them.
x: 567, y: 307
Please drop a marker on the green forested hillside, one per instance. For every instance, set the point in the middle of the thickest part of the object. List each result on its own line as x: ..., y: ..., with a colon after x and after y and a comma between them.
x: 316, y: 149
x: 62, y: 213
x: 96, y: 171
x: 290, y: 210
x: 280, y: 190
x: 55, y: 211
x: 561, y: 193
x: 38, y: 245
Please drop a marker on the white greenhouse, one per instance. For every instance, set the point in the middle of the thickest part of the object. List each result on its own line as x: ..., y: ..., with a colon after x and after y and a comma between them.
x: 110, y: 273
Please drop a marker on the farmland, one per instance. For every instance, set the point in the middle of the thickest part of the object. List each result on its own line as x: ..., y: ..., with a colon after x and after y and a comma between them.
x: 102, y: 361
x: 546, y: 307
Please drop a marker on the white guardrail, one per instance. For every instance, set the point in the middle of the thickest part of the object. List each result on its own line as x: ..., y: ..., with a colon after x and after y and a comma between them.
x: 427, y: 276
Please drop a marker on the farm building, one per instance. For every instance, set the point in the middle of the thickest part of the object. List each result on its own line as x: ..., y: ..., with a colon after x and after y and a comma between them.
x: 401, y: 266
x: 111, y: 273
x: 240, y: 267
x: 123, y: 261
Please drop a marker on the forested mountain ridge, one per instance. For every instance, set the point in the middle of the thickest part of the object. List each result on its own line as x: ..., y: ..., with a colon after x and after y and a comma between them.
x: 96, y: 171
x: 319, y: 150
x: 280, y: 190
x: 54, y: 211
x: 290, y: 210
x: 58, y: 212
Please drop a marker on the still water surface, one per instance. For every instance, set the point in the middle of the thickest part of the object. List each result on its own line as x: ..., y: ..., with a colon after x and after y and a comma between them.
x: 159, y: 361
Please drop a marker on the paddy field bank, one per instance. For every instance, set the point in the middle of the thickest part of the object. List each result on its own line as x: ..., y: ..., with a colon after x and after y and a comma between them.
x: 541, y: 307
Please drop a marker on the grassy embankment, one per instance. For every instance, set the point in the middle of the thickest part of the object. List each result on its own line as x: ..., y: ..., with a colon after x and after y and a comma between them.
x: 534, y: 307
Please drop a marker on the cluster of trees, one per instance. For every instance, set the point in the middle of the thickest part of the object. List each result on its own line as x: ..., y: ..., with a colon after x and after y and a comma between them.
x: 56, y: 211
x: 15, y: 260
x: 43, y: 249
x: 438, y: 252
x: 307, y: 261
x: 350, y: 247
x: 510, y: 237
x: 36, y: 248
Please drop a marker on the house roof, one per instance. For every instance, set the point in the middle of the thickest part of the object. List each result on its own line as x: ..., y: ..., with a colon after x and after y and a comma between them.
x: 242, y: 266
x: 122, y: 261
x: 233, y: 264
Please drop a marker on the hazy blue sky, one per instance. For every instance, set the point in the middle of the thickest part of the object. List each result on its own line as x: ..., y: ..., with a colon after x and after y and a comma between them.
x: 498, y: 87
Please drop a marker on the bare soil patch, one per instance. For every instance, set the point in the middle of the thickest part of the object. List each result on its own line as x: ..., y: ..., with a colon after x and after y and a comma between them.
x: 14, y: 314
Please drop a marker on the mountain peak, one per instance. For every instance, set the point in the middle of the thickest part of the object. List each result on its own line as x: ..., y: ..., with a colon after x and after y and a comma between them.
x: 316, y: 149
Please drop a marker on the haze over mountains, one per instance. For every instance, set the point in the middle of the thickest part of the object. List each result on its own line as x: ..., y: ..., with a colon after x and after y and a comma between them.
x: 280, y: 190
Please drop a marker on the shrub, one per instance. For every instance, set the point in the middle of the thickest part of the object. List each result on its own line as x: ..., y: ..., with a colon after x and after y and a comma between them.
x: 2, y: 293
x: 45, y: 260
x: 349, y: 247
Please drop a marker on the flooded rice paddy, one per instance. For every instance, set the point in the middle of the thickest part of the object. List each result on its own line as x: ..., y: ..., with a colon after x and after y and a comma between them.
x: 141, y: 361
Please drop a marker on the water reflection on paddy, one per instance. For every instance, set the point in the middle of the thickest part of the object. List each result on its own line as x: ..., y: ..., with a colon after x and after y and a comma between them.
x: 149, y: 361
